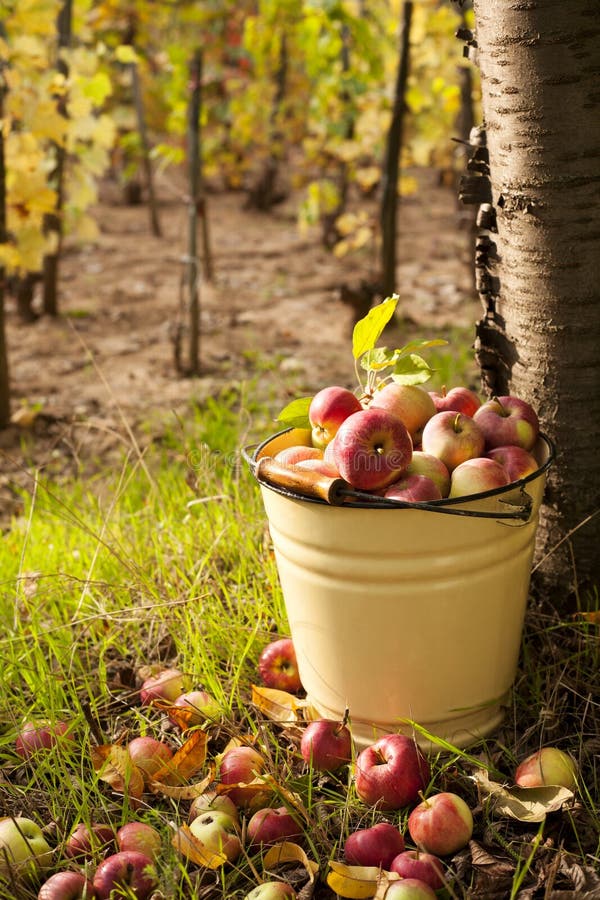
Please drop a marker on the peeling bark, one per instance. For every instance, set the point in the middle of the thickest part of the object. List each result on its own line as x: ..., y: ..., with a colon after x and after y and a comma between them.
x: 540, y: 334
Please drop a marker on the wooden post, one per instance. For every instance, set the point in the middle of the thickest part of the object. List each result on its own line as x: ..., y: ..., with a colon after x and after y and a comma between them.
x: 193, y: 144
x: 4, y: 375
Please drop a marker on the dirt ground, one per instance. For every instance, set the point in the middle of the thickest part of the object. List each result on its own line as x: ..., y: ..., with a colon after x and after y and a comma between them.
x: 275, y: 296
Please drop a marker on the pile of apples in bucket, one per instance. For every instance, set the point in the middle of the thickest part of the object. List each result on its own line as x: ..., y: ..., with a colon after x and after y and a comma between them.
x: 394, y: 439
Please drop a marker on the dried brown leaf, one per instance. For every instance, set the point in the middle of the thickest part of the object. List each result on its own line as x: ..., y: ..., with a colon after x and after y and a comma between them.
x: 185, y: 792
x: 279, y: 706
x: 113, y: 764
x: 524, y: 804
x: 188, y: 760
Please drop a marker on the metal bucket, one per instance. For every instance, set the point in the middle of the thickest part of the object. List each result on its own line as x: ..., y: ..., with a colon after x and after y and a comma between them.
x: 405, y: 614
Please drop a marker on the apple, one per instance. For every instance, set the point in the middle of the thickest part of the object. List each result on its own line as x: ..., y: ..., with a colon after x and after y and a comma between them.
x: 149, y: 754
x: 548, y: 766
x: 211, y: 802
x: 278, y: 666
x: 453, y: 438
x: 326, y: 745
x: 39, y: 736
x: 475, y: 476
x: 141, y: 837
x: 409, y: 889
x: 199, y: 706
x: 329, y: 452
x: 457, y: 399
x: 378, y: 845
x: 271, y: 890
x: 166, y: 685
x: 391, y: 772
x: 508, y: 420
x: 124, y: 871
x: 441, y: 824
x: 431, y: 467
x: 319, y: 465
x: 424, y: 866
x: 413, y: 406
x: 289, y: 456
x: 67, y: 885
x: 270, y: 826
x: 328, y: 409
x: 240, y: 765
x: 372, y: 449
x: 517, y: 463
x: 413, y: 489
x: 90, y: 841
x: 218, y: 832
x: 23, y: 847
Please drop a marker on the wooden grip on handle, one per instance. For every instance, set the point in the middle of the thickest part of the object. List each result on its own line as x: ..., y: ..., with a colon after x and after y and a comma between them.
x: 302, y: 481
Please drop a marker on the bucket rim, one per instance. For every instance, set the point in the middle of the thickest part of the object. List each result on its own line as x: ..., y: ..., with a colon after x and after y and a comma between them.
x: 251, y: 454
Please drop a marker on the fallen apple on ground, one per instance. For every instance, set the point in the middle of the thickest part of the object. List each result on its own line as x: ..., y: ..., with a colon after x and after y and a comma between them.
x: 212, y: 802
x: 199, y: 706
x: 35, y: 737
x: 125, y: 871
x: 166, y: 685
x: 372, y: 449
x: 271, y: 890
x: 90, y: 841
x: 328, y: 409
x: 326, y: 745
x: 67, y: 885
x: 442, y: 824
x: 141, y: 837
x: 270, y: 826
x: 548, y: 766
x: 149, y: 754
x: 218, y: 833
x: 378, y: 846
x: 240, y: 765
x: 278, y: 666
x: 23, y: 848
x: 391, y: 772
x: 409, y: 889
x: 418, y: 864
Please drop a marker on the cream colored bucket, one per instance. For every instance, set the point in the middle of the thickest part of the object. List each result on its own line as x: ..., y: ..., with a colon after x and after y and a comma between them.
x: 408, y: 614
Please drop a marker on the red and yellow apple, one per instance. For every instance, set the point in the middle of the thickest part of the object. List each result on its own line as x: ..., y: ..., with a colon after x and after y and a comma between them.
x: 413, y: 489
x: 548, y: 766
x: 508, y: 420
x: 278, y: 666
x: 475, y: 476
x: 372, y: 449
x: 378, y: 845
x: 517, y: 463
x: 328, y: 409
x: 326, y: 745
x: 410, y: 403
x: 431, y: 467
x: 442, y: 824
x: 453, y: 438
x: 391, y: 773
x: 457, y: 399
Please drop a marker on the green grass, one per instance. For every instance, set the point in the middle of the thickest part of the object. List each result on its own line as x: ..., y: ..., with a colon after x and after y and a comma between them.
x: 162, y: 557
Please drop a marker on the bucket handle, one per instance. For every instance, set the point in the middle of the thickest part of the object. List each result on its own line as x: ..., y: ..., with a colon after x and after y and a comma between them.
x: 334, y: 491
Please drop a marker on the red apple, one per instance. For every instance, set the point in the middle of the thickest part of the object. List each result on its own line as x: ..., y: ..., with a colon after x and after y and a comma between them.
x: 199, y: 706
x: 319, y: 465
x: 413, y: 406
x: 378, y: 845
x: 218, y: 833
x: 391, y: 772
x: 409, y: 889
x: 270, y: 826
x: 372, y: 449
x: 441, y: 824
x: 90, y: 841
x: 141, y: 837
x: 413, y: 489
x: 453, y: 438
x: 326, y: 745
x: 457, y: 399
x: 548, y: 766
x: 475, y: 476
x: 517, y: 463
x: 240, y: 765
x: 424, y: 866
x: 166, y: 685
x: 278, y: 666
x: 328, y: 409
x: 67, y: 885
x: 271, y: 890
x: 431, y: 467
x: 40, y: 736
x: 508, y: 420
x: 289, y: 456
x: 211, y: 802
x: 149, y: 754
x: 126, y: 870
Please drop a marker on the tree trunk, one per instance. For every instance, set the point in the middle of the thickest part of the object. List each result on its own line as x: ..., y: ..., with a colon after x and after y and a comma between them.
x: 539, y: 339
x: 391, y: 166
x: 4, y: 376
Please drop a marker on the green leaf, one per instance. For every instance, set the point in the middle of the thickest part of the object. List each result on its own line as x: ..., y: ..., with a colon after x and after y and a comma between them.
x: 368, y: 331
x: 295, y: 414
x: 421, y: 345
x: 411, y: 369
x: 378, y: 358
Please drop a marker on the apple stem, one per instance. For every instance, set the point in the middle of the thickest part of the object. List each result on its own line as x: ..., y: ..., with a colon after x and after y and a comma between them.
x: 424, y: 800
x: 345, y: 717
x: 456, y: 423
